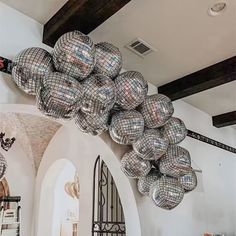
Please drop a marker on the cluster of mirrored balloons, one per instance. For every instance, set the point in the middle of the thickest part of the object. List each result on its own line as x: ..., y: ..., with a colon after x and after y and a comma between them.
x: 82, y: 80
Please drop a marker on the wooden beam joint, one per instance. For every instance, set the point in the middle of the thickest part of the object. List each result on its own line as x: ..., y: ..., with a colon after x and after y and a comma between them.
x: 210, y: 77
x: 82, y: 15
x: 224, y: 120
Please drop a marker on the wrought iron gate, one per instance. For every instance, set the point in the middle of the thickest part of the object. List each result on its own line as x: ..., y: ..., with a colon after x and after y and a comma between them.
x: 108, y: 217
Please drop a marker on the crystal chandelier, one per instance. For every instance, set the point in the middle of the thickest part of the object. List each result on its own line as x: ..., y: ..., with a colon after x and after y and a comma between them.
x: 6, y: 143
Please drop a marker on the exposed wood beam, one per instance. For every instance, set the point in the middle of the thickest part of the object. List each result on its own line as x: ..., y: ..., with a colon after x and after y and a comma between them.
x: 210, y: 77
x: 225, y: 119
x: 5, y: 65
x: 82, y: 15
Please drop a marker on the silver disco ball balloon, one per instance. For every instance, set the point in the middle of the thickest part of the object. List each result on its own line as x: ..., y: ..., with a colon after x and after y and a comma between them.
x: 3, y: 166
x: 176, y: 162
x: 156, y: 110
x: 126, y: 127
x: 131, y: 89
x: 175, y: 130
x: 133, y: 166
x: 108, y: 60
x: 59, y: 95
x: 151, y: 145
x: 74, y: 54
x: 29, y: 66
x: 145, y: 183
x: 93, y: 125
x: 99, y: 95
x: 167, y: 193
x: 189, y: 181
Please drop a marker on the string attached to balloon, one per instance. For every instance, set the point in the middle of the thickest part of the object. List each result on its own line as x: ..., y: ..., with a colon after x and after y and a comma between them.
x: 82, y: 81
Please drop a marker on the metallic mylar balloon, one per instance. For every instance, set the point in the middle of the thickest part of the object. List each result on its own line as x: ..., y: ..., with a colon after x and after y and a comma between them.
x: 99, y: 95
x: 145, y: 183
x: 151, y: 145
x: 166, y: 193
x: 126, y: 127
x: 175, y: 130
x: 108, y: 59
x: 3, y: 166
x: 94, y: 125
x: 133, y: 166
x: 189, y: 181
x: 59, y: 95
x: 30, y: 66
x: 176, y: 162
x: 156, y: 110
x: 131, y: 89
x: 74, y: 54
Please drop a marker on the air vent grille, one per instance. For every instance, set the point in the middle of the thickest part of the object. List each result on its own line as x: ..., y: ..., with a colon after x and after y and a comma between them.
x: 140, y: 47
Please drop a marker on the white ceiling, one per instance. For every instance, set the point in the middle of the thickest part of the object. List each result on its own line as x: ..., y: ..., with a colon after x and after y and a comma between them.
x: 219, y: 100
x: 40, y: 10
x: 187, y: 39
x: 33, y: 133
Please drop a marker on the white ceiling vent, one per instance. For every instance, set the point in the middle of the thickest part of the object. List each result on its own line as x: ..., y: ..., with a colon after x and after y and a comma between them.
x: 140, y: 47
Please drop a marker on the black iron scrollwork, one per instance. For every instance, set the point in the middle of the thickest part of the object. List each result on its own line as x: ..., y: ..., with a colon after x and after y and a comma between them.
x: 108, y: 217
x: 109, y: 227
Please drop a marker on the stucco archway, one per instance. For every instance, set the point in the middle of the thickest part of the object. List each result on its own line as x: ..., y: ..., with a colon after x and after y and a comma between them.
x: 83, y: 150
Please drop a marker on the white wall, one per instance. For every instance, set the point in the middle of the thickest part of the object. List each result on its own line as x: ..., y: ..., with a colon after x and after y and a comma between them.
x: 17, y: 33
x: 21, y: 179
x: 212, y: 210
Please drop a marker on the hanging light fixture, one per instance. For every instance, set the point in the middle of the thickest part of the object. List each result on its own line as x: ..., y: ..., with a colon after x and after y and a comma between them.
x: 6, y: 143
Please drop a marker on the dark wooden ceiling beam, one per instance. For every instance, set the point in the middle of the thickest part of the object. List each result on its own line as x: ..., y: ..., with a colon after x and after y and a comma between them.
x: 224, y: 120
x: 210, y: 77
x: 82, y: 15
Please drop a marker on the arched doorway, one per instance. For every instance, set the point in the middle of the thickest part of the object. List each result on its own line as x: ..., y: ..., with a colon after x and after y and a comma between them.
x: 58, y: 212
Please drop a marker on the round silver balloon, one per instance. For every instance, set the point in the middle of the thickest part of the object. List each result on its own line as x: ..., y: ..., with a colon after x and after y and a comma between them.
x: 74, y: 54
x: 189, y: 181
x: 175, y: 130
x: 156, y: 110
x: 167, y: 193
x: 176, y: 162
x: 59, y: 95
x: 99, y: 95
x: 126, y: 127
x: 108, y: 60
x: 152, y: 145
x: 29, y: 66
x: 133, y: 166
x: 93, y: 125
x: 145, y: 183
x: 3, y: 166
x: 131, y: 89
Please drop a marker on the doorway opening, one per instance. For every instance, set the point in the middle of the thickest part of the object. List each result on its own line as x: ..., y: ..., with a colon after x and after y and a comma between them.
x: 59, y: 203
x: 108, y: 215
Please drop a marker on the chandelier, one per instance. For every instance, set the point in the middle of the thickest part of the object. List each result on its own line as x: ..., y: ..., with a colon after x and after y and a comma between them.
x: 6, y: 143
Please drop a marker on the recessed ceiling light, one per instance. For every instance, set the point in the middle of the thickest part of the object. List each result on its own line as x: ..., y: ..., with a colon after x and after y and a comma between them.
x: 217, y: 8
